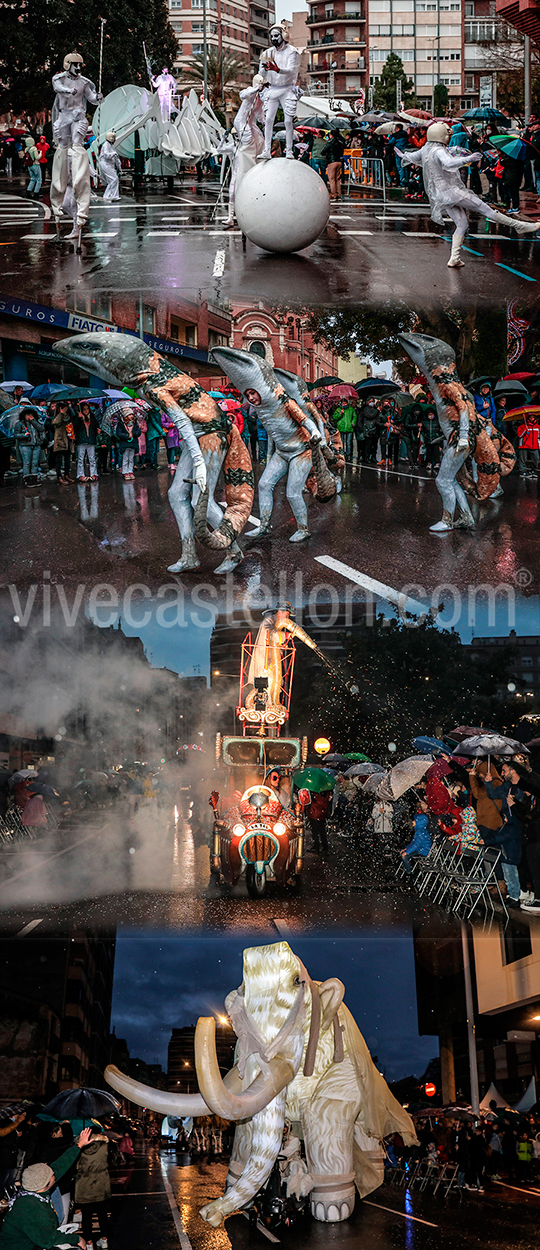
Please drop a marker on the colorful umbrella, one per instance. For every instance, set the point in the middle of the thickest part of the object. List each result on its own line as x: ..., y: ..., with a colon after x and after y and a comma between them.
x: 357, y: 756
x: 415, y: 113
x: 512, y: 145
x: 314, y: 779
x: 515, y: 414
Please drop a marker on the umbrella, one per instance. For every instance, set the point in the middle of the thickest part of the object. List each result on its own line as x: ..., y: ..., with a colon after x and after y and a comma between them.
x: 122, y: 407
x: 373, y: 118
x: 12, y: 386
x: 6, y: 401
x: 85, y: 1104
x: 46, y: 390
x: 484, y: 380
x: 282, y: 134
x: 488, y: 744
x: 314, y: 779
x: 484, y: 115
x: 321, y: 383
x: 316, y: 122
x: 417, y: 113
x: 511, y: 388
x: 365, y: 770
x: 515, y: 414
x: 339, y: 123
x: 23, y: 774
x: 10, y: 418
x: 403, y: 776
x: 47, y: 792
x: 386, y: 128
x: 83, y: 392
x: 334, y: 759
x: 442, y: 768
x: 463, y: 731
x: 533, y: 744
x: 372, y: 783
x: 343, y: 391
x: 427, y: 746
x: 111, y: 393
x: 376, y: 386
x: 357, y: 756
x: 512, y: 145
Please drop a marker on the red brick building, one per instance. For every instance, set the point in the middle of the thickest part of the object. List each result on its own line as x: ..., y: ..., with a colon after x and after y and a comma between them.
x: 282, y: 338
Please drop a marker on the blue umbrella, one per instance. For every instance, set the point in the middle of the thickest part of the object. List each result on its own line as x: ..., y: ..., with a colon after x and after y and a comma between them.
x: 46, y: 390
x: 484, y: 115
x: 427, y: 746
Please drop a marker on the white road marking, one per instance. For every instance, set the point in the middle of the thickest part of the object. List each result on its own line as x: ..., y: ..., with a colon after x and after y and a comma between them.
x: 404, y: 1214
x: 261, y: 1229
x: 122, y: 218
x: 219, y: 263
x: 424, y: 234
x: 340, y: 217
x: 100, y: 234
x: 156, y: 234
x: 32, y: 924
x: 385, y: 217
x: 516, y: 1187
x: 356, y: 231
x: 212, y: 233
x: 401, y: 601
x: 283, y: 928
x: 182, y: 1235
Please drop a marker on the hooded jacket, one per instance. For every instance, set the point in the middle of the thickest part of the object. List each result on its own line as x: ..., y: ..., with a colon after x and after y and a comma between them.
x: 92, y: 1181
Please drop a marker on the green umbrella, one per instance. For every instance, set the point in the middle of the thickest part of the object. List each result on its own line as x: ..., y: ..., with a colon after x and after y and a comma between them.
x: 81, y: 392
x: 357, y: 757
x: 315, y: 779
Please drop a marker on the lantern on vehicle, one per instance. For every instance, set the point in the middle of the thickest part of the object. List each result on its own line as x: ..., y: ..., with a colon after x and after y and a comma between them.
x: 238, y: 830
x: 280, y: 828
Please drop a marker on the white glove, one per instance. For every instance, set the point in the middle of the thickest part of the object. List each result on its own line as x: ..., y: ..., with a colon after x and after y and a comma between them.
x: 475, y: 156
x: 199, y: 470
x: 463, y: 445
x: 317, y: 437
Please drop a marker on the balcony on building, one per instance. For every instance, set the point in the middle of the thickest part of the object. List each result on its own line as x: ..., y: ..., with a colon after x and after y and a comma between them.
x: 342, y: 9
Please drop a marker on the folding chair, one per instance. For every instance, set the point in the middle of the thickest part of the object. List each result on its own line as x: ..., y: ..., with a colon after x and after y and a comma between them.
x: 459, y: 874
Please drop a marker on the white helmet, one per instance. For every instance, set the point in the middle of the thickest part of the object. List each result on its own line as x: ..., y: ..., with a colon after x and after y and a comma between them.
x: 73, y: 58
x: 438, y: 132
x: 110, y: 136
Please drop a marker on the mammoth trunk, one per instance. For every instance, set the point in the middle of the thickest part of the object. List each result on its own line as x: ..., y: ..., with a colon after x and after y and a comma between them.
x: 267, y: 1136
x: 239, y: 491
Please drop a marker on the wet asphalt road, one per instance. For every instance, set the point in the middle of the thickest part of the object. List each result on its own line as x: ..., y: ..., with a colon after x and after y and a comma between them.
x: 370, y: 252
x: 149, y: 869
x: 160, y: 1211
x: 377, y: 529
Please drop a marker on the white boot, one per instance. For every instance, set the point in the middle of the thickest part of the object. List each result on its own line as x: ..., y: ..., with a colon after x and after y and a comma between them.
x: 522, y: 227
x: 455, y: 261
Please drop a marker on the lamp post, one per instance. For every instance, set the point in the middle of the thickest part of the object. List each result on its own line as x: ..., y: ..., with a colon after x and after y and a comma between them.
x: 205, y: 51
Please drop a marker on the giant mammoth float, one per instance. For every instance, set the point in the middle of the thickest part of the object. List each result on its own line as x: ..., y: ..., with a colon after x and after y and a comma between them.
x: 299, y: 1055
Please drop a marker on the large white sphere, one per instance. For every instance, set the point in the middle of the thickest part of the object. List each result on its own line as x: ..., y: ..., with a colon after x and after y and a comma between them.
x: 282, y: 205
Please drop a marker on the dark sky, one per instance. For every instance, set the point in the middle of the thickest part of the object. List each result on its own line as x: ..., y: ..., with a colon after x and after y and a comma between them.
x: 161, y: 981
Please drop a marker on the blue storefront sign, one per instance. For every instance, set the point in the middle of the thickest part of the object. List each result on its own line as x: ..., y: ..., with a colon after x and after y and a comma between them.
x: 79, y: 323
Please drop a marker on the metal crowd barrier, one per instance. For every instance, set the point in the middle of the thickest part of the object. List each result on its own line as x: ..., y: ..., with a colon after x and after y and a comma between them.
x: 366, y: 172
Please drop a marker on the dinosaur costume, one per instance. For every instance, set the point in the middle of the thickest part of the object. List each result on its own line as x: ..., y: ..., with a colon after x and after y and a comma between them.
x: 211, y: 442
x: 465, y: 432
x: 291, y: 433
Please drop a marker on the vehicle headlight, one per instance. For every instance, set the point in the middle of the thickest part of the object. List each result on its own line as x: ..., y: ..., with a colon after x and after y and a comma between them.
x: 280, y: 828
x: 238, y: 830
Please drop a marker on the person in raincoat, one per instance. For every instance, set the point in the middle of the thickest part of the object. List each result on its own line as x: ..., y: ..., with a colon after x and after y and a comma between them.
x: 420, y: 843
x: 109, y: 168
x: 93, y: 1187
x: 31, y: 1222
x: 446, y: 191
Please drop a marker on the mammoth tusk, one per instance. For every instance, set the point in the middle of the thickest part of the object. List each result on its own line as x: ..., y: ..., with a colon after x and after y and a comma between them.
x: 223, y: 1101
x: 161, y: 1100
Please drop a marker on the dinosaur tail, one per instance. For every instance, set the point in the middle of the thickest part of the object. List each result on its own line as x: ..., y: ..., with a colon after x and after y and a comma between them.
x: 326, y: 482
x: 239, y: 492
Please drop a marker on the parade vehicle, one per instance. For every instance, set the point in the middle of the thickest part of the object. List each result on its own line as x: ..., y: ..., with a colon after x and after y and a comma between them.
x: 258, y: 823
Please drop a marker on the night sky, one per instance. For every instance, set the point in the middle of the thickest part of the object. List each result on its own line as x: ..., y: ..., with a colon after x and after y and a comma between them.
x: 163, y: 981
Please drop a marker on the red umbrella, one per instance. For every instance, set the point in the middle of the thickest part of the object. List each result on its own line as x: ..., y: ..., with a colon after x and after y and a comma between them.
x: 343, y: 391
x: 535, y: 742
x: 441, y: 768
x: 518, y: 377
x: 464, y: 731
x: 417, y: 113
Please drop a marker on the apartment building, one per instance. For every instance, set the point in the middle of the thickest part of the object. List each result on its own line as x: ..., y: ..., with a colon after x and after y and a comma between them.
x: 428, y: 36
x: 337, y: 46
x: 491, y: 45
x: 262, y: 15
x: 228, y: 28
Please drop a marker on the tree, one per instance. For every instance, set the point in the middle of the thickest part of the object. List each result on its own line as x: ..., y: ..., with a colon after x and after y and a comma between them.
x: 412, y: 679
x: 36, y: 35
x: 223, y: 70
x: 477, y: 335
x: 441, y: 99
x: 384, y: 96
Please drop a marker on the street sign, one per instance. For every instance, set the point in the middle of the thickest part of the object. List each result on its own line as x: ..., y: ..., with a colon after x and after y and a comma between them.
x: 486, y: 92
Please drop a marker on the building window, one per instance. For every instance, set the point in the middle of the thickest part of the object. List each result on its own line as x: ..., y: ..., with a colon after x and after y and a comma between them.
x: 149, y: 319
x: 98, y: 306
x: 257, y: 348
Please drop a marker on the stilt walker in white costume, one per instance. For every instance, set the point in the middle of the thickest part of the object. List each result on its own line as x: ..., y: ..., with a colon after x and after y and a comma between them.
x: 109, y: 167
x: 446, y: 191
x: 250, y: 140
x: 279, y: 65
x: 70, y: 129
x: 165, y: 86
